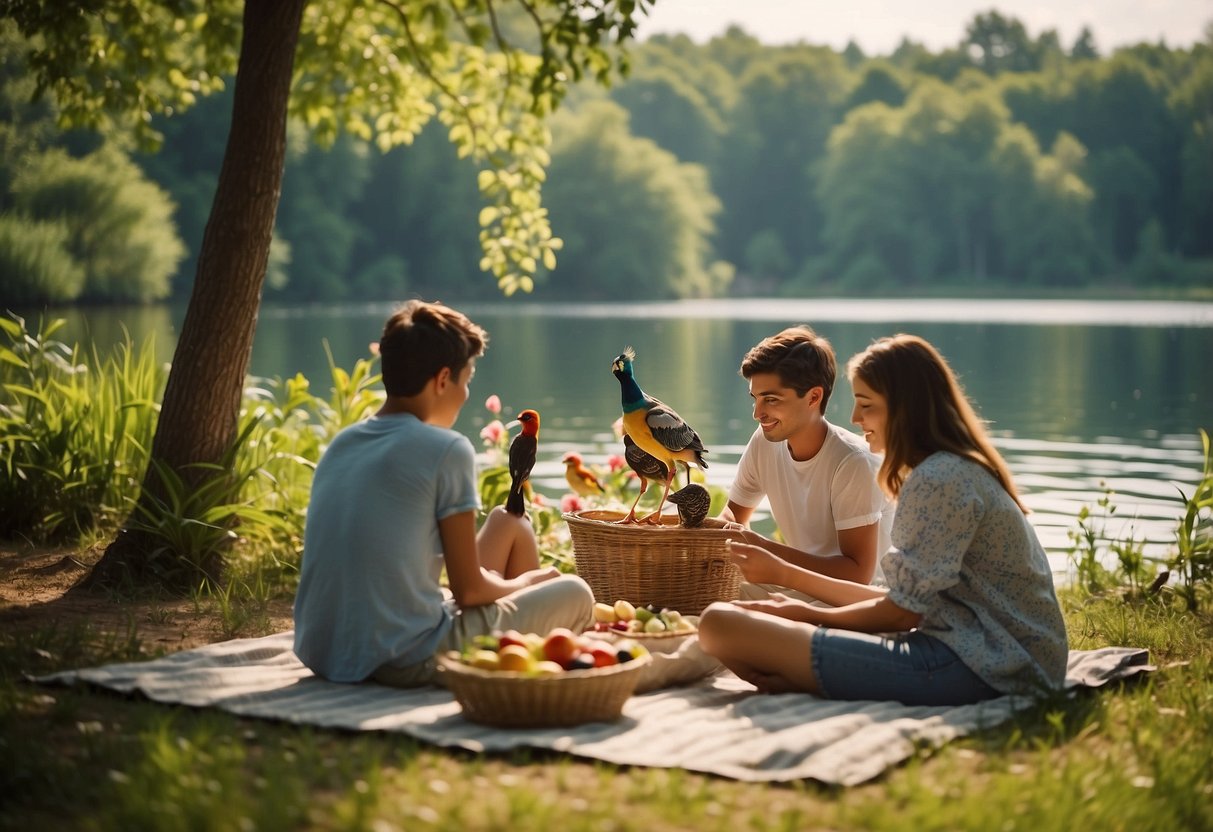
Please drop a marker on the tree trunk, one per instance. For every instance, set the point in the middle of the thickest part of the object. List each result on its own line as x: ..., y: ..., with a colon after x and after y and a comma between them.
x: 198, y: 417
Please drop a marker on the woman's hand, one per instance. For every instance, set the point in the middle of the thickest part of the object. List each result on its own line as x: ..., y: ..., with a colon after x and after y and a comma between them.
x: 757, y: 565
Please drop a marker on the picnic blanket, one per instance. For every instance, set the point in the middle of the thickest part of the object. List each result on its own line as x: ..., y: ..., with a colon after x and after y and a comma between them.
x: 718, y: 725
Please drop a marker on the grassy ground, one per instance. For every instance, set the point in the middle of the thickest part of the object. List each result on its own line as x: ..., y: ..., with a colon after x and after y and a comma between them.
x: 1129, y: 757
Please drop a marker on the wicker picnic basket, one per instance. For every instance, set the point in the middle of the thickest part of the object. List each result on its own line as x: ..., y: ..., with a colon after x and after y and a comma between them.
x: 506, y: 699
x: 665, y: 565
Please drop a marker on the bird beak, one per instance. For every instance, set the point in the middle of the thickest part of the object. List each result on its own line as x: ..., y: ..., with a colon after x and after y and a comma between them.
x: 512, y: 424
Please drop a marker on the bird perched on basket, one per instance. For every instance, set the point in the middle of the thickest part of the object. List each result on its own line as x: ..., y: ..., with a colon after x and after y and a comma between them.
x: 656, y: 427
x: 522, y: 460
x: 582, y: 480
x: 693, y: 501
x: 647, y: 468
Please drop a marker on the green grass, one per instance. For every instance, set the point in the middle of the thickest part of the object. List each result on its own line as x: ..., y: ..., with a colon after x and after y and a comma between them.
x: 1132, y: 756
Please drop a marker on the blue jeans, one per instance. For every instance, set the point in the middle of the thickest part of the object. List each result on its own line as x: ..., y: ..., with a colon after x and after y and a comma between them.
x: 912, y: 668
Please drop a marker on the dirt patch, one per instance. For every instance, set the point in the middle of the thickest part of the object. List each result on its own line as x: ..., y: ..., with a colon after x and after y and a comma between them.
x: 39, y: 589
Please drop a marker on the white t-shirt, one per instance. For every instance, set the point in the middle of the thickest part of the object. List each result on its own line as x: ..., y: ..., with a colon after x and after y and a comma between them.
x: 814, y: 499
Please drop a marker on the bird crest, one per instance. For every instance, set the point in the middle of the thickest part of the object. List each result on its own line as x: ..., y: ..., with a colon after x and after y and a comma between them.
x: 623, y: 361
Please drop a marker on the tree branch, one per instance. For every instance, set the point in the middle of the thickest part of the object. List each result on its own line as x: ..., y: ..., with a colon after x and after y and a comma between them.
x: 424, y: 65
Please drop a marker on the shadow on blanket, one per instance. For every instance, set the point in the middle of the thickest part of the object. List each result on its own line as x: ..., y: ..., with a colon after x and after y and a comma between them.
x: 718, y: 725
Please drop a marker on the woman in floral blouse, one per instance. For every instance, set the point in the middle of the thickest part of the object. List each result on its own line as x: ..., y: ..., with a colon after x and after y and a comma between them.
x: 969, y: 612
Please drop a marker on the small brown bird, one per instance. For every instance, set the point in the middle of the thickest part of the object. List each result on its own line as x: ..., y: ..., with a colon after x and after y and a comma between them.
x: 647, y: 468
x: 693, y: 501
x: 522, y: 460
x: 581, y: 479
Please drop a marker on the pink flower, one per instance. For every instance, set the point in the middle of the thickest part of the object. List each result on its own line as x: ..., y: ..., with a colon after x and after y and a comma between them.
x: 618, y: 428
x: 373, y: 347
x: 493, y: 432
x: 615, y: 463
x: 493, y: 404
x: 537, y: 499
x: 570, y: 502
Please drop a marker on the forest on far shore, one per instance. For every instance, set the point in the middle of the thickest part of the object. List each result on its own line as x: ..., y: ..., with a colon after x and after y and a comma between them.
x: 1010, y: 163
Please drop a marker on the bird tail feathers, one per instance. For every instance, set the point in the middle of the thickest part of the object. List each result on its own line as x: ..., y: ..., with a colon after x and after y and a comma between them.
x: 514, y: 503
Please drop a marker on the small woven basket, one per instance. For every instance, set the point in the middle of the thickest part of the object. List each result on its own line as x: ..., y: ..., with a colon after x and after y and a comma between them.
x: 667, y: 565
x: 505, y: 699
x: 667, y: 642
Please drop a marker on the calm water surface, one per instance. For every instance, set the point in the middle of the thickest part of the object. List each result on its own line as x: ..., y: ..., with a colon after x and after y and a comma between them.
x: 1080, y: 396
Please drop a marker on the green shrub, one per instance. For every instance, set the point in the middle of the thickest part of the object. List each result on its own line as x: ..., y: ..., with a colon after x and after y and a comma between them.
x: 35, y: 266
x: 120, y: 224
x: 74, y: 439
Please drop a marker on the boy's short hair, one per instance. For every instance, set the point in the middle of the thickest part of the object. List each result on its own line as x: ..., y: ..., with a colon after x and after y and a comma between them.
x: 420, y: 339
x: 799, y: 356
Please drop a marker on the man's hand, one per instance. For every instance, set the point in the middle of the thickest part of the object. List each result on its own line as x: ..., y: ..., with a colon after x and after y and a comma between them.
x: 757, y: 565
x: 538, y: 576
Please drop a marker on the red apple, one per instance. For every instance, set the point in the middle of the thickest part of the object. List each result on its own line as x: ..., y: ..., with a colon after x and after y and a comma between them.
x: 560, y: 646
x: 511, y: 637
x: 604, y: 655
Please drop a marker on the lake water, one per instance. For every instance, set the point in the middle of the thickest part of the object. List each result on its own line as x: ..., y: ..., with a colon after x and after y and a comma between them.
x: 1080, y: 396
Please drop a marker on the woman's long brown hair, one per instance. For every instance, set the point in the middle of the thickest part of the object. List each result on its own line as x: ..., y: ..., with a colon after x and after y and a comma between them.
x: 927, y: 411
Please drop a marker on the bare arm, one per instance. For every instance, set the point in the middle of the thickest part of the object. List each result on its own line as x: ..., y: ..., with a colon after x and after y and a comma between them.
x: 857, y: 563
x: 736, y: 513
x: 873, y: 615
x: 761, y: 565
x: 471, y: 584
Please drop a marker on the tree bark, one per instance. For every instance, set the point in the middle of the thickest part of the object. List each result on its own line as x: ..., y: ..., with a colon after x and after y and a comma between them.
x: 201, y: 406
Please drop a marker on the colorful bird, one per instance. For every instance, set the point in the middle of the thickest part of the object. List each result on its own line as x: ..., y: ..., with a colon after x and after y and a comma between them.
x: 655, y: 427
x: 693, y: 501
x: 647, y: 468
x: 581, y: 479
x: 522, y: 460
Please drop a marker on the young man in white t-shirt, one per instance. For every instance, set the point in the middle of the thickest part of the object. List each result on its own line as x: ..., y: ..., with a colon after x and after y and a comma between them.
x: 819, y: 479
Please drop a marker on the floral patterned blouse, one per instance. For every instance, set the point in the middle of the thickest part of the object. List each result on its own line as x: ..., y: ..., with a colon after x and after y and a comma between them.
x: 966, y: 559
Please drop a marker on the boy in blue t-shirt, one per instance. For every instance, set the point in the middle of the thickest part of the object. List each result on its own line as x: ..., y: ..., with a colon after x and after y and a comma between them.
x: 394, y: 500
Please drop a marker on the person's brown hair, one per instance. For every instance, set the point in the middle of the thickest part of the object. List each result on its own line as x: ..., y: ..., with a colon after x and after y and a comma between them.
x: 420, y: 339
x: 927, y: 411
x: 799, y: 356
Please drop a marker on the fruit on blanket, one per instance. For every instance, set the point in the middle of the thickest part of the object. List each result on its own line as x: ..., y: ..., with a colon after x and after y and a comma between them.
x: 511, y: 637
x: 627, y: 618
x: 485, y: 660
x: 515, y: 657
x: 531, y: 654
x: 654, y: 625
x: 582, y: 661
x: 601, y: 652
x: 561, y: 646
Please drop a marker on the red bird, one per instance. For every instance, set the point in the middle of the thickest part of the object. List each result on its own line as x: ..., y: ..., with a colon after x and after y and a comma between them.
x: 522, y: 460
x: 581, y: 479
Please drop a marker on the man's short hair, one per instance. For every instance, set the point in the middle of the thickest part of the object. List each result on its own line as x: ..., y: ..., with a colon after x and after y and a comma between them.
x: 420, y: 339
x: 799, y: 356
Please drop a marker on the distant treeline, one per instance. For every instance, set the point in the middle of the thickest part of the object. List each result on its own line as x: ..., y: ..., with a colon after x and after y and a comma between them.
x: 1008, y: 163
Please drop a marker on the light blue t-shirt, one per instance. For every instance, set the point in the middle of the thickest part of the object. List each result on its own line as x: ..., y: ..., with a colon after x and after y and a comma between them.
x: 369, y: 590
x: 966, y: 559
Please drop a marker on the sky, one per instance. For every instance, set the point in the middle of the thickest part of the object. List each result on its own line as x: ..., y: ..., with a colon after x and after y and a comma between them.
x: 879, y: 25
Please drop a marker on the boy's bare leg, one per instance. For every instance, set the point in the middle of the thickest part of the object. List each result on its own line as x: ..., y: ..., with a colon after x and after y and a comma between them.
x: 507, y: 544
